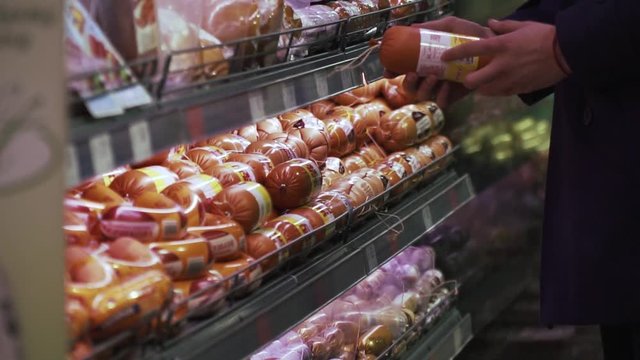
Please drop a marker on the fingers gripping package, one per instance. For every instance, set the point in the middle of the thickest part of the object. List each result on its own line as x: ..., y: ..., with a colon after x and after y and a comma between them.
x: 187, y: 230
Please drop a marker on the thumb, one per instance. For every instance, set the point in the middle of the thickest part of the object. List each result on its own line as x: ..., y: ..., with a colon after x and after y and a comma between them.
x: 505, y: 26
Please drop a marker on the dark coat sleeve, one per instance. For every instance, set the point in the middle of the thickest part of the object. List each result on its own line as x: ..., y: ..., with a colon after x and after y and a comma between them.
x: 600, y: 39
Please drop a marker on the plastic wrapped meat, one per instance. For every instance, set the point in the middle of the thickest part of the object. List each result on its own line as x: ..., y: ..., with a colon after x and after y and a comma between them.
x: 312, y: 16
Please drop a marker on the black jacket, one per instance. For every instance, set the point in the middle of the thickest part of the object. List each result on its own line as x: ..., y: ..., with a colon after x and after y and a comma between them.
x: 591, y: 246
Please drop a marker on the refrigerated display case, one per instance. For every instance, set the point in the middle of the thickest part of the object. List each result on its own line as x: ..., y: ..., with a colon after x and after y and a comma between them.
x: 468, y: 204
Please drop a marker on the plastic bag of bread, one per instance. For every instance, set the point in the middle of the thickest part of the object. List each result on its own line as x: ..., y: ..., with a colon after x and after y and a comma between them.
x: 311, y: 40
x: 403, y: 127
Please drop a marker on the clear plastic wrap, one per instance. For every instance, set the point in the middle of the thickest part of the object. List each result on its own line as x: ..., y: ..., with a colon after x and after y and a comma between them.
x: 302, y: 43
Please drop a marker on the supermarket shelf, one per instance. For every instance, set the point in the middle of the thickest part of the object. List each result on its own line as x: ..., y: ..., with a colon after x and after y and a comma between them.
x: 445, y: 340
x: 97, y: 146
x: 276, y: 308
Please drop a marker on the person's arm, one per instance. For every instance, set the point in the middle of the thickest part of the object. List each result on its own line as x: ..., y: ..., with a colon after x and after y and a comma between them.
x: 600, y: 40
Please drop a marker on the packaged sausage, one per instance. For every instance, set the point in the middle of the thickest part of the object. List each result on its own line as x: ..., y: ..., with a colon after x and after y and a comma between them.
x: 88, y: 274
x: 260, y: 164
x: 440, y: 145
x: 293, y: 142
x: 128, y: 257
x: 268, y: 126
x: 394, y: 94
x: 341, y: 134
x: 371, y: 154
x: 84, y: 210
x: 265, y: 245
x: 184, y: 168
x: 241, y: 276
x: 341, y: 112
x: 354, y: 163
x: 75, y: 230
x: 183, y: 259
x: 368, y: 117
x: 160, y: 157
x: 207, y: 156
x: 333, y: 171
x: 293, y: 183
x: 248, y: 203
x: 402, y: 128
x: 302, y: 43
x: 230, y: 20
x: 317, y: 143
x: 229, y: 142
x: 151, y: 217
x: 406, y: 49
x: 124, y: 305
x: 226, y: 237
x: 300, y: 119
x: 340, y: 205
x: 361, y: 95
x: 249, y: 133
x: 293, y: 227
x: 319, y: 215
x: 199, y: 297
x: 134, y: 183
x: 231, y: 173
x: 359, y: 191
x: 436, y: 115
x: 104, y: 179
x: 102, y: 194
x: 205, y: 187
x: 276, y: 151
x: 321, y: 108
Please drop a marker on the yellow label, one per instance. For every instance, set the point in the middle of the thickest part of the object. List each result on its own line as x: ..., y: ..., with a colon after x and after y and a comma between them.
x: 161, y: 176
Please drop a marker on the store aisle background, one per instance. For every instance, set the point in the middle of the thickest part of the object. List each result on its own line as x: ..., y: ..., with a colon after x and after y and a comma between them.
x: 517, y: 334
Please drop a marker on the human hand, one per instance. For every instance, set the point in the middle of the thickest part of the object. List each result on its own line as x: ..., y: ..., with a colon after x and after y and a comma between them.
x: 430, y: 87
x: 522, y: 59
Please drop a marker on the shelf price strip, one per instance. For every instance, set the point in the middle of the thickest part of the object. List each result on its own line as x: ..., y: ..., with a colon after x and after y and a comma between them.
x: 256, y: 105
x: 321, y: 85
x: 140, y: 140
x: 288, y: 95
x: 72, y: 171
x: 101, y: 153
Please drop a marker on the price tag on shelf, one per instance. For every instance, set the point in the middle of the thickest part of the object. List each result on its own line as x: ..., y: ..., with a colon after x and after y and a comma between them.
x: 289, y: 95
x: 72, y: 171
x: 140, y: 140
x: 321, y: 85
x: 427, y: 217
x: 256, y: 105
x: 101, y: 153
x: 457, y: 339
x: 345, y: 76
x: 371, y: 257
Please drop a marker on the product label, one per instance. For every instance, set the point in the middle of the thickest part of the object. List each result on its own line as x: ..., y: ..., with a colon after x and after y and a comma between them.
x: 303, y: 225
x: 221, y: 243
x: 398, y: 169
x: 424, y: 127
x: 209, y: 185
x: 413, y: 161
x: 425, y: 149
x: 139, y: 230
x: 279, y: 239
x: 262, y: 198
x: 313, y: 173
x: 244, y: 174
x: 335, y: 164
x: 348, y: 129
x: 170, y: 229
x: 328, y: 219
x: 437, y: 115
x: 161, y: 176
x: 195, y: 265
x: 432, y: 45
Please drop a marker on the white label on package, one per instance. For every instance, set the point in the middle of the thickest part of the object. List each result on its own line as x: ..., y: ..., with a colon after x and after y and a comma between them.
x: 424, y: 127
x: 140, y: 140
x: 101, y: 153
x: 432, y: 45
